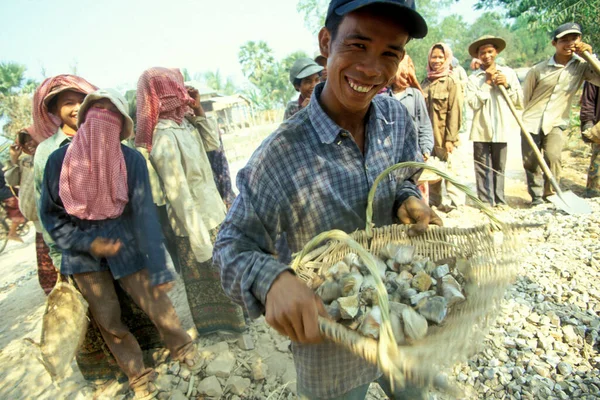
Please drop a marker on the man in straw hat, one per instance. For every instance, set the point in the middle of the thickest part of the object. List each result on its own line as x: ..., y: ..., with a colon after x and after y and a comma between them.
x: 548, y: 92
x: 493, y: 121
x: 304, y: 75
x: 314, y: 174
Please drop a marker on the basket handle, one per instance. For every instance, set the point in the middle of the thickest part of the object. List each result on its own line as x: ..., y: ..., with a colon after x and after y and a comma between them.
x: 413, y: 164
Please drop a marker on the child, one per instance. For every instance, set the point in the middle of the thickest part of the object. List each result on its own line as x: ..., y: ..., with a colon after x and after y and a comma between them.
x: 96, y: 205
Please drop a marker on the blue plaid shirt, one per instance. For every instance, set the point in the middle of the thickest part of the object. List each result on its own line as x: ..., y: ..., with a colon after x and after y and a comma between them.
x: 309, y: 176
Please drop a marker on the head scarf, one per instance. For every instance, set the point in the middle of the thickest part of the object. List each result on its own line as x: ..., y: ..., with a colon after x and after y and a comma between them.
x: 93, y: 178
x: 445, y: 68
x: 474, y: 63
x: 406, y: 76
x: 21, y: 138
x: 161, y: 94
x: 45, y: 123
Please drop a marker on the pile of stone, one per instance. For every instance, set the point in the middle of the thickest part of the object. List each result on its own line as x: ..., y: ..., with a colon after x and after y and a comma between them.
x: 420, y: 292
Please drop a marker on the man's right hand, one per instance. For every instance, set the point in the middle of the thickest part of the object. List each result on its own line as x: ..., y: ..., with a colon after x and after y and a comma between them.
x: 102, y: 248
x: 292, y: 309
x: 15, y: 151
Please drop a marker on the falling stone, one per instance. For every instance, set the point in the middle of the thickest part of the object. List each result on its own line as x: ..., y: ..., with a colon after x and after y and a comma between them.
x: 441, y: 271
x: 421, y: 281
x: 259, y: 370
x: 245, y: 342
x: 434, y: 309
x: 451, y: 290
x: 415, y: 326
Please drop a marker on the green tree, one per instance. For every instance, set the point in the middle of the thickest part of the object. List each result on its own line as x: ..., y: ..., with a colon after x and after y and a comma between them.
x: 15, y: 97
x: 547, y: 15
x: 314, y: 13
x: 269, y: 87
x: 215, y: 81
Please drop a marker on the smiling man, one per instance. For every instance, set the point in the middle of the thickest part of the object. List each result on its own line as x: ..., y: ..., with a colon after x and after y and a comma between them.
x: 547, y: 95
x: 314, y: 174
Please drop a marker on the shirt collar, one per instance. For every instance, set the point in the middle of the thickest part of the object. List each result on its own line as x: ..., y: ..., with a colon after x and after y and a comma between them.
x: 552, y: 61
x: 327, y: 129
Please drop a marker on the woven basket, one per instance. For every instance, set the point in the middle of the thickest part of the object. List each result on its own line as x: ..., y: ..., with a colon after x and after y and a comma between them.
x: 486, y: 256
x: 64, y: 325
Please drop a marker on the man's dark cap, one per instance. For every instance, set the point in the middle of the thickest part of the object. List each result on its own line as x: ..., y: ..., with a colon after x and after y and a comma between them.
x: 406, y: 11
x: 566, y: 29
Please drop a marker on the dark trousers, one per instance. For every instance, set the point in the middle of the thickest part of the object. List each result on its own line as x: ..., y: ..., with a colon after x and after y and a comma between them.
x: 490, y: 163
x: 551, y: 144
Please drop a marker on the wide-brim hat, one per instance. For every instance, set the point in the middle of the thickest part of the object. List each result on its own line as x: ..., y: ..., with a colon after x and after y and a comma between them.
x: 58, y: 90
x: 497, y: 42
x: 117, y: 99
x: 413, y: 22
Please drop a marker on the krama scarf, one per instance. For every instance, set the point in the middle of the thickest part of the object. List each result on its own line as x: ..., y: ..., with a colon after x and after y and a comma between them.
x: 93, y: 179
x: 45, y: 123
x: 444, y: 70
x: 406, y: 76
x: 161, y: 94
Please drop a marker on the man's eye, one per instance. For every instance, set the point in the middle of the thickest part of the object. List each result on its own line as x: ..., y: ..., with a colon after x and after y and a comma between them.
x: 358, y: 45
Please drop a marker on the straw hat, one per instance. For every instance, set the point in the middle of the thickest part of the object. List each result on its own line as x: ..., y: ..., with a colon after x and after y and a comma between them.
x: 497, y: 42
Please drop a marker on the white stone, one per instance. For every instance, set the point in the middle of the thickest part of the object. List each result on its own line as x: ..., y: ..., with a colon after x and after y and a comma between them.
x: 237, y: 385
x: 222, y: 365
x: 210, y: 387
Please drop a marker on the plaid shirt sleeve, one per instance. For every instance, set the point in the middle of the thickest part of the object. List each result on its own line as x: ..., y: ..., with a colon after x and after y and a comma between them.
x: 245, y: 247
x: 410, y: 151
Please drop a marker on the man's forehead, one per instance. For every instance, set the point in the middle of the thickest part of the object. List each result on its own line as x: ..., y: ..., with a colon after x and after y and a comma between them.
x: 570, y: 36
x: 371, y: 27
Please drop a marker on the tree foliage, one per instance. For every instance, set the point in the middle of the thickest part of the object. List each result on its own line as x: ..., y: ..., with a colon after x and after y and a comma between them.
x: 547, y: 15
x: 215, y: 81
x: 269, y: 79
x: 15, y: 97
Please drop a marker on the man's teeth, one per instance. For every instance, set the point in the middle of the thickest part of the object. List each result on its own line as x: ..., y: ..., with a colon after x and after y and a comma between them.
x: 358, y: 88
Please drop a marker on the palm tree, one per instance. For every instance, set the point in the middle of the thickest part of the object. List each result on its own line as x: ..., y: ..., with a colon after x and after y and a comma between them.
x: 11, y: 77
x: 256, y: 59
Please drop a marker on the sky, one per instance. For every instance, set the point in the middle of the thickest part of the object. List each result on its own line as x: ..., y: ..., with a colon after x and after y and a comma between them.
x: 110, y: 42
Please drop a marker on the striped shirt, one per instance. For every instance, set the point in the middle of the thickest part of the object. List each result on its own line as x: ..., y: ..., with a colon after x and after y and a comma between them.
x: 308, y: 177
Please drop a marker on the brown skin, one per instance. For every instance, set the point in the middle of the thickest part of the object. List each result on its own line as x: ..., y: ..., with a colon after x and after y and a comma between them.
x: 307, y: 86
x: 437, y: 59
x: 366, y: 52
x: 196, y: 107
x: 487, y: 53
x: 66, y: 108
x: 568, y: 45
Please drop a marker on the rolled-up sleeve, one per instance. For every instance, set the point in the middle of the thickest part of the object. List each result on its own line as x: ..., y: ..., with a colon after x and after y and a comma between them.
x: 208, y: 130
x: 245, y: 248
x: 423, y: 123
x: 146, y: 226
x: 409, y: 152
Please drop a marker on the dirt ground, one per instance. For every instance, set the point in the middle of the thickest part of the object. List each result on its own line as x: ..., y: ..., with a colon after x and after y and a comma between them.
x: 22, y: 301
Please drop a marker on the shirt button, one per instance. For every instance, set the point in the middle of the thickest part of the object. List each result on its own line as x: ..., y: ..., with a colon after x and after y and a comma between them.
x: 344, y: 134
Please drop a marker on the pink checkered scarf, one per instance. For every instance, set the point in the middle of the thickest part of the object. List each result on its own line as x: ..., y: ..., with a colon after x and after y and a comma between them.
x: 93, y: 179
x: 161, y: 94
x: 46, y: 124
x: 444, y: 70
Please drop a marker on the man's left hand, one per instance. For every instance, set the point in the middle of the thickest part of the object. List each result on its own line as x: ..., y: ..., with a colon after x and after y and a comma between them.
x: 581, y: 47
x: 415, y: 211
x: 500, y: 80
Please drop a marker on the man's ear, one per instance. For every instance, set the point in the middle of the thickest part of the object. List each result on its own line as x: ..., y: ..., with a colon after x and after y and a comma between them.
x: 554, y: 42
x: 325, y: 42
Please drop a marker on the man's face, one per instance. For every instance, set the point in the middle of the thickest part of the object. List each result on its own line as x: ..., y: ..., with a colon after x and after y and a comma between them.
x: 67, y: 107
x: 307, y: 85
x: 362, y: 59
x: 29, y: 145
x: 487, y: 54
x: 565, y: 46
